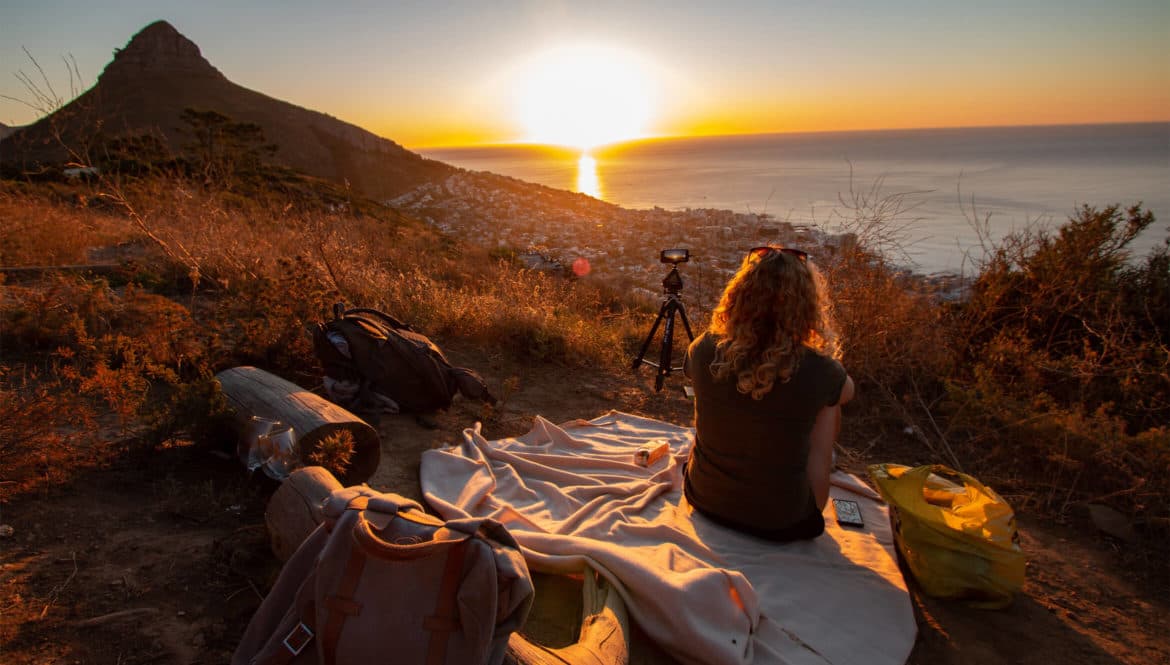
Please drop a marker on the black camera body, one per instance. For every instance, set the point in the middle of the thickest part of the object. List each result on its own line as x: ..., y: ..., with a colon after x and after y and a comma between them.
x: 675, y: 256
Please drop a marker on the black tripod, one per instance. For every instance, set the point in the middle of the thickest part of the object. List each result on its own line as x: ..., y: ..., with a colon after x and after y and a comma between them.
x: 671, y: 303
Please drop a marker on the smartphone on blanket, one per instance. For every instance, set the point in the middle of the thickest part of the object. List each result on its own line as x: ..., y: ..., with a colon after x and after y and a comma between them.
x: 848, y: 512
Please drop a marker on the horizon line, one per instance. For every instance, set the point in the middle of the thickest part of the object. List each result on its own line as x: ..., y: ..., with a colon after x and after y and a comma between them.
x: 675, y: 137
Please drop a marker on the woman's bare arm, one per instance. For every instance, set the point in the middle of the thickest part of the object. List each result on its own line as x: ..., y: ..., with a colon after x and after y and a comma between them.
x: 825, y: 431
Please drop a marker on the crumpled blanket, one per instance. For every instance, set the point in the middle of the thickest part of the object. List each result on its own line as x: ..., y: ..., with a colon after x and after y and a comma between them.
x: 573, y: 497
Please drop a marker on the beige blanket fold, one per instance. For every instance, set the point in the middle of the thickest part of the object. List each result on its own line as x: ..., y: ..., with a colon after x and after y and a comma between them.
x: 572, y: 496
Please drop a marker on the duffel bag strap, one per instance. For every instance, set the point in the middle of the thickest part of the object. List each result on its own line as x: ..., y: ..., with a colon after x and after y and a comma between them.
x: 445, y: 620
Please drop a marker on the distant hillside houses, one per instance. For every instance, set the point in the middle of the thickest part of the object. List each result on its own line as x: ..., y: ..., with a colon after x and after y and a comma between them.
x: 723, y: 232
x: 550, y: 229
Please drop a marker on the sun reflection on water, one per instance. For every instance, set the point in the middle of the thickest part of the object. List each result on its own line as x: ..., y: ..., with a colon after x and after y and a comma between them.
x: 587, y: 180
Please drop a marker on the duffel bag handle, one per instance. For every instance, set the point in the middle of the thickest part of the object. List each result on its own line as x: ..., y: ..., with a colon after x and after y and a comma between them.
x: 915, y: 479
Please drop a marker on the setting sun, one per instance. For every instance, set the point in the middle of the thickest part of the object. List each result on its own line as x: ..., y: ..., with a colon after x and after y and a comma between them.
x: 584, y: 96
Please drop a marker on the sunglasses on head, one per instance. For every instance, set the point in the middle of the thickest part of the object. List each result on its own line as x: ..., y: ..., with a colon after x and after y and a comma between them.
x: 761, y: 252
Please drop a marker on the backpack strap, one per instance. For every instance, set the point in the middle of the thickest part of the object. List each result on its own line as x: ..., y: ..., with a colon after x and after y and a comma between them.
x: 341, y: 605
x: 445, y: 620
x: 300, y: 635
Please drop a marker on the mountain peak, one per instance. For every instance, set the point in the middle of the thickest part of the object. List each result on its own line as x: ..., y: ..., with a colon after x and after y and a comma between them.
x: 160, y: 74
x: 160, y: 49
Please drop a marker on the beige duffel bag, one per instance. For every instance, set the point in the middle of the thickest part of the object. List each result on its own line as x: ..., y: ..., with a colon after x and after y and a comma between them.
x: 381, y: 581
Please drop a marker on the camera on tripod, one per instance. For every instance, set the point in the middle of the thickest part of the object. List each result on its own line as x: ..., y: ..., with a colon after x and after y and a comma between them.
x: 672, y: 286
x: 673, y: 283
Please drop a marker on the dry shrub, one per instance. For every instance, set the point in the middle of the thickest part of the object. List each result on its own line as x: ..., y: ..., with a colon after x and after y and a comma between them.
x: 890, y: 325
x: 163, y: 330
x: 40, y: 232
x: 1063, y: 386
x: 1057, y: 457
x: 1047, y: 378
x: 87, y: 321
x: 105, y: 349
x: 57, y: 313
x: 889, y: 320
x: 334, y: 452
x: 896, y: 349
x: 44, y: 430
x: 263, y: 321
x: 88, y: 367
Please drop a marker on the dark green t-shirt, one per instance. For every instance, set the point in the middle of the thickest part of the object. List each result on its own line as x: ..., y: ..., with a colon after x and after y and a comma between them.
x: 749, y: 463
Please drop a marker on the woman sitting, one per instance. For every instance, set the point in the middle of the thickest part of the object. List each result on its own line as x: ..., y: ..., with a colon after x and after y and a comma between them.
x: 768, y: 396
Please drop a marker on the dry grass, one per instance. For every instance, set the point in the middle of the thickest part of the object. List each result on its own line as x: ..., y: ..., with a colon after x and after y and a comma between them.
x: 225, y: 280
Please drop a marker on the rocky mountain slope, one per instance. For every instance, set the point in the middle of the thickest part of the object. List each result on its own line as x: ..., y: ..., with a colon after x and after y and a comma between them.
x: 160, y: 73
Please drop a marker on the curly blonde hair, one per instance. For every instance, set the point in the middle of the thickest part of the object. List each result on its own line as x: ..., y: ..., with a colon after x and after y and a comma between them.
x: 774, y: 305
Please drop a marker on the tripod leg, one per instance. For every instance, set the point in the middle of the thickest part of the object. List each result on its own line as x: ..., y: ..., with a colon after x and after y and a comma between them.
x: 682, y: 311
x: 650, y: 337
x: 667, y: 343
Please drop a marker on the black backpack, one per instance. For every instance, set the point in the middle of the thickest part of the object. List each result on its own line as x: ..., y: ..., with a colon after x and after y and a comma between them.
x: 383, y: 355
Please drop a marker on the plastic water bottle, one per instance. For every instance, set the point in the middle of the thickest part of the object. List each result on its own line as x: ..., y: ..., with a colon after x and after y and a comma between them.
x: 269, y: 445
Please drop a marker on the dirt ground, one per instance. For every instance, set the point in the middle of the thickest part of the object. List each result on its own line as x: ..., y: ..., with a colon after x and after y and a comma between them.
x: 162, y: 556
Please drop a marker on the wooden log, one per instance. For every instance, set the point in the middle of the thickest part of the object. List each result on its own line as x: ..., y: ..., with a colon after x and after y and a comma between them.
x: 295, y: 508
x: 253, y: 392
x: 604, y: 638
x: 605, y: 627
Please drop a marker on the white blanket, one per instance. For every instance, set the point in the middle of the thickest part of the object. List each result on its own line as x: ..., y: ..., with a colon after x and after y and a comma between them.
x: 573, y: 497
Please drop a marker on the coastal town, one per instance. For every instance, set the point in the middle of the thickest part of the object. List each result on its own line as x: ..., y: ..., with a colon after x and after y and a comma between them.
x: 557, y: 230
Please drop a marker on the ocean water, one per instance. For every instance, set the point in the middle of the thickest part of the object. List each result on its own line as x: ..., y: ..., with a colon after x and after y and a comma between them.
x: 1004, y: 178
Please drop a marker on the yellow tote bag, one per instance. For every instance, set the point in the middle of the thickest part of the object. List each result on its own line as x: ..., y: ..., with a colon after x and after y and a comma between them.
x: 957, y: 535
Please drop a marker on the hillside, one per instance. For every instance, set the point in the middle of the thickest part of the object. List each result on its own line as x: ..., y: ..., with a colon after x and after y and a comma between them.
x: 160, y: 73
x: 133, y: 534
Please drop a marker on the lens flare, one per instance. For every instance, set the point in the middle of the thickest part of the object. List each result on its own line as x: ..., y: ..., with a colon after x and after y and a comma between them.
x: 581, y: 266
